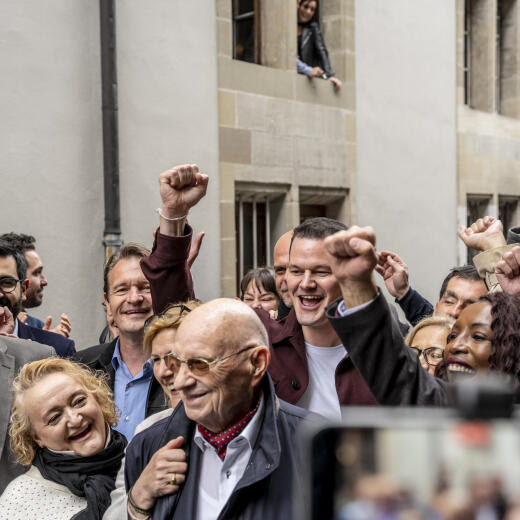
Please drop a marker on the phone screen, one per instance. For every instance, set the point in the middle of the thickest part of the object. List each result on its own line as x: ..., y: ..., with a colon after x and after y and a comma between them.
x: 450, y: 470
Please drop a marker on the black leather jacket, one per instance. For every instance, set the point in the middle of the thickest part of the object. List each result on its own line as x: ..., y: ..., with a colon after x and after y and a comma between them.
x: 312, y: 50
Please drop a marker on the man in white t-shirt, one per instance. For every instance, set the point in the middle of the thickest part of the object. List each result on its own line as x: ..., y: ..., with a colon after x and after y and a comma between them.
x: 309, y: 364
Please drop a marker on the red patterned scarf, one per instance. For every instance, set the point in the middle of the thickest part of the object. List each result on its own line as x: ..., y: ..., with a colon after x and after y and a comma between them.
x: 221, y: 440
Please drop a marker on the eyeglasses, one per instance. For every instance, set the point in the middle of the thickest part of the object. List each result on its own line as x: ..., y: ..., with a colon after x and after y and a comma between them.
x: 8, y: 284
x: 197, y: 366
x: 183, y: 309
x: 432, y: 355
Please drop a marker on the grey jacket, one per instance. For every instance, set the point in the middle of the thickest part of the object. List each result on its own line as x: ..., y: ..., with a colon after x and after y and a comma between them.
x: 265, y: 489
x: 14, y: 353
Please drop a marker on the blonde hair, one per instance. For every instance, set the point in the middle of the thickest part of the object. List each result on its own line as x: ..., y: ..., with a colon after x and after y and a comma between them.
x: 437, y: 321
x: 20, y: 431
x: 170, y: 319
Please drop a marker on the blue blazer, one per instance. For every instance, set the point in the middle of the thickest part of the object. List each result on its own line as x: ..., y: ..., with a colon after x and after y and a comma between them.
x: 63, y: 346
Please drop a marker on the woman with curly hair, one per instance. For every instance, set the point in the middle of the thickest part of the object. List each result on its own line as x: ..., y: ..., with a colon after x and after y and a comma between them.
x: 61, y: 427
x: 484, y: 339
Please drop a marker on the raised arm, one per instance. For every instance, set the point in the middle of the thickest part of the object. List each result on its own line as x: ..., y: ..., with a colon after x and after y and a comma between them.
x: 486, y: 235
x: 167, y: 268
x: 395, y: 274
x: 375, y: 345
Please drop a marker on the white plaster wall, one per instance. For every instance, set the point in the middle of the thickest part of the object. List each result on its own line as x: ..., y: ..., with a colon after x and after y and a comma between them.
x: 51, y: 157
x: 406, y: 132
x: 168, y: 115
x: 51, y: 151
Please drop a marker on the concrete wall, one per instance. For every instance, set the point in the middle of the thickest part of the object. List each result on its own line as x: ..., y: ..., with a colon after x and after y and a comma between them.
x: 51, y: 161
x: 406, y: 125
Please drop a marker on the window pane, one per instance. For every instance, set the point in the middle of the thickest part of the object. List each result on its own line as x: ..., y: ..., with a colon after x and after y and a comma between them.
x: 312, y: 210
x: 244, y: 6
x: 261, y: 235
x: 245, y: 40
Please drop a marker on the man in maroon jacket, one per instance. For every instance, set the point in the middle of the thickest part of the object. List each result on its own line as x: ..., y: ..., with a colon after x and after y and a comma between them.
x: 309, y: 365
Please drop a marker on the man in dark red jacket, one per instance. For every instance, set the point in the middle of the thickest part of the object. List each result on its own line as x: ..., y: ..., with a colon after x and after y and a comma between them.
x: 309, y: 365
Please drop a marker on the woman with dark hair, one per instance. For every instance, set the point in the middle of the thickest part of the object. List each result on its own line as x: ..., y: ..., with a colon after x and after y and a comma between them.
x: 313, y: 57
x: 484, y: 339
x: 258, y: 290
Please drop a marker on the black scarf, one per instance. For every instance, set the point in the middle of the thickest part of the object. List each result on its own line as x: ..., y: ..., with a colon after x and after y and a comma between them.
x: 92, y: 477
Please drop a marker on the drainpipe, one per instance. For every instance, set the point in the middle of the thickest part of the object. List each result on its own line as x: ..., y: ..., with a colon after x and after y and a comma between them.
x: 112, y: 233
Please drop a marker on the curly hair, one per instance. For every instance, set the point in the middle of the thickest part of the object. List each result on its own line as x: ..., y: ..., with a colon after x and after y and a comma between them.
x: 505, y: 345
x: 20, y: 430
x: 170, y: 319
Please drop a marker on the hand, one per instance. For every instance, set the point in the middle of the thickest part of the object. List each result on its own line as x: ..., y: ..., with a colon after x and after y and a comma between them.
x: 22, y: 316
x: 273, y: 314
x: 508, y: 272
x: 336, y: 82
x: 195, y: 248
x: 394, y: 272
x: 316, y: 72
x: 485, y: 233
x: 181, y: 188
x: 156, y: 478
x: 7, y: 321
x: 63, y: 328
x: 352, y: 258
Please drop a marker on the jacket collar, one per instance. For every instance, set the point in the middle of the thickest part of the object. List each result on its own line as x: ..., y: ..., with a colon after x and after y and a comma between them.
x: 264, y: 460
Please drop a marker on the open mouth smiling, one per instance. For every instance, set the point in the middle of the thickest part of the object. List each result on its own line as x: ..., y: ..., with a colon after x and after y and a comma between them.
x: 458, y: 366
x: 308, y: 301
x: 82, y: 434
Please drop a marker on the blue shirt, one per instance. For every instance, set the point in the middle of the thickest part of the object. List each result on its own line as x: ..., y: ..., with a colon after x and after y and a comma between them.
x: 130, y: 394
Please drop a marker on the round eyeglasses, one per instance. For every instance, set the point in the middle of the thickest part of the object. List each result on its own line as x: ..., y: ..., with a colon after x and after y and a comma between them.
x: 197, y: 366
x: 432, y: 355
x: 8, y: 284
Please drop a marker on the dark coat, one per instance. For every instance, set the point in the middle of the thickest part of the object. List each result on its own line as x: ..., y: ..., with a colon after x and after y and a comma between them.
x: 14, y: 353
x: 100, y: 358
x: 391, y: 370
x: 265, y: 490
x: 415, y: 306
x: 289, y: 366
x: 63, y: 346
x: 312, y: 50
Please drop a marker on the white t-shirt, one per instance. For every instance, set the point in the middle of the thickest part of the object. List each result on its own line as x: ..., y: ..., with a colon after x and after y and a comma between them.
x: 321, y: 395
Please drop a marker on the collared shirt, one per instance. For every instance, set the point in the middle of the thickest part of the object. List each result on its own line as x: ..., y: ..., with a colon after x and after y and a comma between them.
x: 15, y: 331
x: 218, y: 478
x: 130, y: 394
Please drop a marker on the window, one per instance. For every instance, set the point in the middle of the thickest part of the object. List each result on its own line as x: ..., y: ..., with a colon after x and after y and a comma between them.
x: 257, y: 212
x: 491, y: 41
x: 323, y: 202
x: 312, y: 210
x: 507, y: 75
x: 246, y: 30
x: 477, y: 207
x: 467, y: 50
x: 508, y: 212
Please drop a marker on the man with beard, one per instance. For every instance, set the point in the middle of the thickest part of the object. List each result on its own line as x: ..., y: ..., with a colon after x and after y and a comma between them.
x: 13, y: 283
x: 37, y: 282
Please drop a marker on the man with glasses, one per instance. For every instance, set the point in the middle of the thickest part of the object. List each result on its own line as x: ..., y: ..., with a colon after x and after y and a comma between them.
x: 33, y: 297
x: 13, y: 283
x: 240, y: 439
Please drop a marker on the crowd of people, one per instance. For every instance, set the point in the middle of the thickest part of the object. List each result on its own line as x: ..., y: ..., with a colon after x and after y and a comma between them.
x: 192, y: 409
